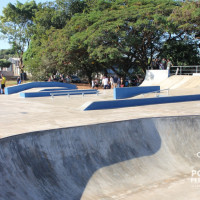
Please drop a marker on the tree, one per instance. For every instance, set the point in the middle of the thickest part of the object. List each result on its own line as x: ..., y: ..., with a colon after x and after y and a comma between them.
x: 16, y: 24
x: 125, y: 34
x: 120, y: 35
x: 187, y: 17
x: 187, y: 20
x: 4, y: 63
x: 42, y: 56
x: 6, y: 53
x: 181, y: 52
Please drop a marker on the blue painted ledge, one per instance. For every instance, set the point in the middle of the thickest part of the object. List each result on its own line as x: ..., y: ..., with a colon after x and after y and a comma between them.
x: 98, y: 105
x: 26, y: 86
x: 127, y: 92
x: 56, y: 93
x: 54, y: 90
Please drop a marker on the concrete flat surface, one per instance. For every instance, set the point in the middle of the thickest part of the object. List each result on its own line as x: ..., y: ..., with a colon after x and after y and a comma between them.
x: 145, y: 152
x: 20, y: 115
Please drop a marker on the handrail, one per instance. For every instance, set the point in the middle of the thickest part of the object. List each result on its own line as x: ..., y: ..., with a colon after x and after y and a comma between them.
x: 157, y: 91
x: 74, y: 92
x: 185, y: 70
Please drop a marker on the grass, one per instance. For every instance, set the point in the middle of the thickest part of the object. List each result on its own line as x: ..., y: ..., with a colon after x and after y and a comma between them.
x: 12, y: 82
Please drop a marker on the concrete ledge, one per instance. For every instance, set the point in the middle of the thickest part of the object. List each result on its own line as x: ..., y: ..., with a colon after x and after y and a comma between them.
x: 56, y: 93
x: 140, y: 102
x: 126, y: 92
x: 26, y: 86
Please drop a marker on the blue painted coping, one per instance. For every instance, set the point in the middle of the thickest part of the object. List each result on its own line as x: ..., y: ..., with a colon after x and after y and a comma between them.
x: 52, y: 90
x: 47, y: 94
x: 126, y: 92
x: 25, y: 86
x: 140, y: 102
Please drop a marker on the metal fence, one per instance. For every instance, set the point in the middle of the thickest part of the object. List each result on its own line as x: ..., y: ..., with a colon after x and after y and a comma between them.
x: 185, y: 70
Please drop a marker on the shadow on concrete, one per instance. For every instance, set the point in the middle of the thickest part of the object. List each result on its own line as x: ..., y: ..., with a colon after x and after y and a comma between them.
x: 57, y: 164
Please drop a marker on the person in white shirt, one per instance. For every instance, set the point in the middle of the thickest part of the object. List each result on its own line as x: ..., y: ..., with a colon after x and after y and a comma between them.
x: 105, y: 82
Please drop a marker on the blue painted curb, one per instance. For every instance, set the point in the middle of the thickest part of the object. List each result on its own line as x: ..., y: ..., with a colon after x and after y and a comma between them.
x: 25, y: 86
x: 98, y: 105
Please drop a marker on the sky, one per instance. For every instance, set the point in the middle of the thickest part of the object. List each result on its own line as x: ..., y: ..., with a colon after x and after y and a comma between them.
x: 3, y: 3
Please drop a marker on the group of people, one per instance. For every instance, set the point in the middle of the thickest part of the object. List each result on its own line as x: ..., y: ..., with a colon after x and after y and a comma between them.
x: 3, y: 83
x: 112, y: 82
x: 56, y: 78
x: 161, y: 64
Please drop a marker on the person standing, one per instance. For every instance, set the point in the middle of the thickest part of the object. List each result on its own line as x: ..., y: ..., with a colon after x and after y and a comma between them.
x: 115, y: 79
x: 93, y: 84
x: 163, y: 63
x: 111, y: 82
x: 121, y: 82
x: 169, y: 64
x: 3, y: 83
x: 105, y: 82
x: 18, y: 80
x: 157, y: 63
x: 96, y: 82
x: 153, y: 64
x: 118, y: 82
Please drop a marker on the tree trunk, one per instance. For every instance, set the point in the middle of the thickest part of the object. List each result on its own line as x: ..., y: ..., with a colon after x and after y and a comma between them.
x: 21, y: 65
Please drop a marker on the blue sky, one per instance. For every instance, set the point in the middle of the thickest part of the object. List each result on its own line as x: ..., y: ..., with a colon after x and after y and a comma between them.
x: 4, y: 43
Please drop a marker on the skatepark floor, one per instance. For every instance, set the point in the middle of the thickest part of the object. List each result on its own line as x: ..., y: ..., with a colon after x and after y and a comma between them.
x: 21, y: 115
x: 165, y: 173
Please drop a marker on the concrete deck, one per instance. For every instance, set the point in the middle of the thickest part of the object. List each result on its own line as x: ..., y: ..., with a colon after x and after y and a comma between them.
x: 19, y: 115
x: 147, y: 159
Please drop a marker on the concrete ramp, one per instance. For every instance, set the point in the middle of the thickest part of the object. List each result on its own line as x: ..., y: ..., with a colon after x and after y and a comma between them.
x: 155, y: 77
x: 181, y: 81
x: 174, y: 82
x: 119, y: 160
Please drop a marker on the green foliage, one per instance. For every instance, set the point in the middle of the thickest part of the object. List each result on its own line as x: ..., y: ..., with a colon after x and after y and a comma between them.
x: 6, y: 53
x: 44, y: 55
x: 16, y: 21
x: 47, y: 16
x: 4, y: 63
x: 71, y: 7
x: 96, y: 35
x: 16, y: 25
x: 181, y: 52
x: 187, y: 16
x: 123, y: 34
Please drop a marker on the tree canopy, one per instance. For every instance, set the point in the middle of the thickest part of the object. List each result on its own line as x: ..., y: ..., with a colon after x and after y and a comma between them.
x: 16, y: 25
x: 4, y: 63
x: 94, y: 36
x: 6, y: 53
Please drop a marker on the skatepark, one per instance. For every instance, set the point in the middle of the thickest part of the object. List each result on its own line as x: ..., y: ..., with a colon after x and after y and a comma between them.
x: 53, y: 149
